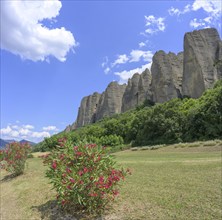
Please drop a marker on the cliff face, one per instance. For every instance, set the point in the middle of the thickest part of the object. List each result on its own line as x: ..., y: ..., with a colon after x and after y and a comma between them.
x: 111, y: 100
x: 167, y: 71
x: 137, y: 90
x: 202, y: 52
x: 218, y: 62
x: 188, y: 73
x: 87, y: 110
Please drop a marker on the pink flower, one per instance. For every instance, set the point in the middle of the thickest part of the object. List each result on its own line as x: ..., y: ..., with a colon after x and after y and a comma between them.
x: 75, y: 148
x: 72, y: 180
x: 80, y: 173
x: 93, y: 194
x: 69, y: 187
x: 79, y: 153
x: 85, y: 170
x: 101, y: 179
x: 62, y: 156
x: 54, y: 165
x: 68, y: 170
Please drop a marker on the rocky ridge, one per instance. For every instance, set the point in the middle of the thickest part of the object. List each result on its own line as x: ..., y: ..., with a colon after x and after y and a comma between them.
x: 187, y: 73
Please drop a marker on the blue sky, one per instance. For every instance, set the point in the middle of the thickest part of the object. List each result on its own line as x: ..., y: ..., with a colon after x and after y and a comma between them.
x: 53, y: 53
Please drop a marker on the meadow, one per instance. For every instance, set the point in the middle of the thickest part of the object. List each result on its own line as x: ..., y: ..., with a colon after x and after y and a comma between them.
x: 181, y: 181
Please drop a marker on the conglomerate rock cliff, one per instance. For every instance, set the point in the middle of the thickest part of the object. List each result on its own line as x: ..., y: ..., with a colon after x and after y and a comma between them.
x: 188, y: 73
x: 87, y: 110
x: 111, y: 100
x: 137, y: 90
x: 167, y: 71
x: 202, y: 61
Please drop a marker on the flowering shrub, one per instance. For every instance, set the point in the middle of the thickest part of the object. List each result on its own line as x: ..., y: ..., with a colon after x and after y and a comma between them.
x: 84, y: 176
x: 13, y: 158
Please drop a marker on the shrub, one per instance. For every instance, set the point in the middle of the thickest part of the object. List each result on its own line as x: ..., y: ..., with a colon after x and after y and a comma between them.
x: 14, y: 157
x: 210, y: 143
x: 181, y: 145
x: 195, y: 144
x: 84, y: 176
x: 145, y: 148
x: 111, y: 140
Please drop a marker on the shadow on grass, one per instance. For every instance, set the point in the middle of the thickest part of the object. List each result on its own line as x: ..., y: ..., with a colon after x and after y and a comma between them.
x: 50, y: 210
x: 8, y: 178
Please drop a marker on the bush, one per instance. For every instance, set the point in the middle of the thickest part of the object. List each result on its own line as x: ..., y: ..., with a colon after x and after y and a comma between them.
x: 145, y: 148
x: 14, y: 157
x: 84, y: 176
x: 111, y: 140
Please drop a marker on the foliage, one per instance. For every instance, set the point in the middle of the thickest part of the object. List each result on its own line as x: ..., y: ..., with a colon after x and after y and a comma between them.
x: 14, y: 157
x: 111, y: 140
x: 84, y: 176
x: 204, y: 120
x: 175, y: 121
x: 161, y: 124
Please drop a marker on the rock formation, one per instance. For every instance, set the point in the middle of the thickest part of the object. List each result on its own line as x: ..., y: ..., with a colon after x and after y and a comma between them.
x: 167, y: 71
x: 87, y: 110
x: 202, y: 59
x: 110, y: 102
x: 188, y: 73
x: 137, y: 90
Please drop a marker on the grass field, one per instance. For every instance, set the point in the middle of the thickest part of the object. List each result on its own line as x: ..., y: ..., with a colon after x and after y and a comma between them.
x: 173, y: 182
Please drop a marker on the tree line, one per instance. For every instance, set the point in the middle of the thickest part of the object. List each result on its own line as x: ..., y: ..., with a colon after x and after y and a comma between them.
x: 178, y: 120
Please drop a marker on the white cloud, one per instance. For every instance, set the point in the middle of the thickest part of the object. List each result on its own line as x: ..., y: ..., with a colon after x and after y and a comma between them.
x: 175, y: 11
x: 212, y: 9
x: 50, y: 128
x: 107, y: 70
x: 142, y: 44
x: 23, y: 34
x: 15, y: 126
x: 19, y: 132
x: 120, y: 60
x: 105, y: 62
x: 196, y: 23
x: 9, y: 132
x: 28, y: 126
x: 154, y: 24
x: 105, y: 66
x: 134, y: 56
x: 23, y: 131
x: 42, y: 134
x: 208, y: 19
x: 126, y: 74
x: 6, y: 131
x: 137, y: 55
x: 14, y: 134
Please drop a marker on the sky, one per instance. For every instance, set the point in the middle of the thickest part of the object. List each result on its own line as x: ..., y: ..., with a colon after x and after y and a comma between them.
x: 53, y: 53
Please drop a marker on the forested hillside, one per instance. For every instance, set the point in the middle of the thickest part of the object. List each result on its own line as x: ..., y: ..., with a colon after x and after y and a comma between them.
x: 178, y: 120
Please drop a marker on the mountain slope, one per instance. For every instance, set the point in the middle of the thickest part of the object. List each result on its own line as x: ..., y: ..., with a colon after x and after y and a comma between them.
x: 3, y: 142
